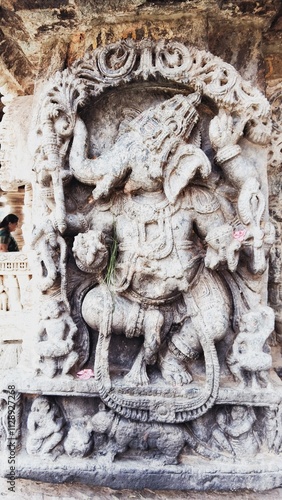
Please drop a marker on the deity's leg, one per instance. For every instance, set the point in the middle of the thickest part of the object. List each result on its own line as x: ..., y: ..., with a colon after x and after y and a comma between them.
x: 263, y: 376
x: 153, y: 322
x: 209, y: 320
x: 238, y: 374
x: 49, y: 367
x: 69, y: 362
x: 173, y: 364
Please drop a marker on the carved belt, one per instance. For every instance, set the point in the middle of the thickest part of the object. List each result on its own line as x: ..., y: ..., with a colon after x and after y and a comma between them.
x: 146, y: 301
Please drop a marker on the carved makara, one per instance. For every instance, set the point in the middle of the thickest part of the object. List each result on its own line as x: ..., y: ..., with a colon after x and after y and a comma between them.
x: 157, y: 198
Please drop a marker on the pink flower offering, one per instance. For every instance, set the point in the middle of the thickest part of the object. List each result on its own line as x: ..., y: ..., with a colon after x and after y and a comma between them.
x: 240, y: 235
x: 85, y: 374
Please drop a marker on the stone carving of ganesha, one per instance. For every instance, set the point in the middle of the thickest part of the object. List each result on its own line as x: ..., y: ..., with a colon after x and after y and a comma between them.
x: 163, y: 247
x: 154, y: 226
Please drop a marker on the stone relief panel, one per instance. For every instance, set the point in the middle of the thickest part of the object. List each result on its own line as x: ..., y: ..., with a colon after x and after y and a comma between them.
x: 150, y: 253
x: 227, y: 434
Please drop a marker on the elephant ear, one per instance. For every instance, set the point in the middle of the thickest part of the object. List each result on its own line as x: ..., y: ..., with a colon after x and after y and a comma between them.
x: 182, y: 167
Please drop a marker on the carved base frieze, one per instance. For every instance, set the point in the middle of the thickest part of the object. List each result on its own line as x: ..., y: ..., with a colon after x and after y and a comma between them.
x: 63, y: 438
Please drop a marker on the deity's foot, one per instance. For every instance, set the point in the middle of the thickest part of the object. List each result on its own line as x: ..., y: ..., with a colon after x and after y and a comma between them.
x: 255, y: 385
x: 150, y: 356
x: 173, y: 370
x: 57, y: 452
x: 135, y: 377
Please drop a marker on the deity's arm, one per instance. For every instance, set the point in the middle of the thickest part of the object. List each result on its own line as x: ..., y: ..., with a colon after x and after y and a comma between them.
x: 236, y: 169
x: 208, y: 218
x: 207, y: 213
x: 210, y: 224
x: 71, y: 326
x: 98, y: 219
x: 253, y: 234
x: 256, y: 231
x: 242, y: 172
x: 224, y: 136
x: 244, y: 176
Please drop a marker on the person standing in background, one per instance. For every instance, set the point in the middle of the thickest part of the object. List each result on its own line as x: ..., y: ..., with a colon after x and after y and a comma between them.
x: 7, y: 226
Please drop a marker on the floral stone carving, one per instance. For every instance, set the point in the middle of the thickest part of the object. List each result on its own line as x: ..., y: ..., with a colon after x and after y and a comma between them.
x: 150, y: 250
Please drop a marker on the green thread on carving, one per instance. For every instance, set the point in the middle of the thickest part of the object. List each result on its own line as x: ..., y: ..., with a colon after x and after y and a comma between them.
x: 110, y: 271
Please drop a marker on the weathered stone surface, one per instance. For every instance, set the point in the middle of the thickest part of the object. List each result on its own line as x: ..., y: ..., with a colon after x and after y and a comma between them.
x: 49, y: 37
x: 172, y: 198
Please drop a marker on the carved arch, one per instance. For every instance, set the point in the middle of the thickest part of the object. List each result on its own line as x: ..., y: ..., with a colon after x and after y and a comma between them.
x: 166, y: 65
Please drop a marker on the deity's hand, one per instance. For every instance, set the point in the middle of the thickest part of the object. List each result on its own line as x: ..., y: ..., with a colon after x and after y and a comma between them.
x: 90, y: 252
x: 224, y: 132
x: 223, y: 247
